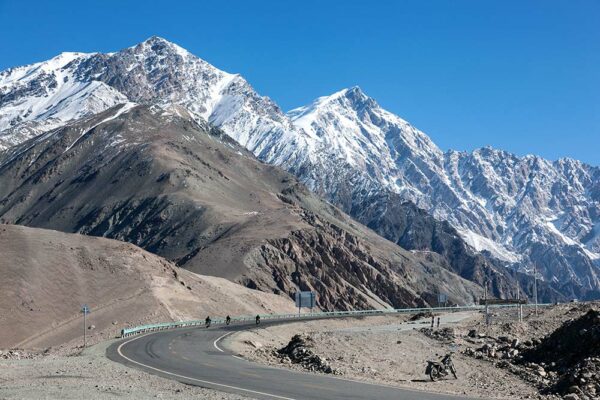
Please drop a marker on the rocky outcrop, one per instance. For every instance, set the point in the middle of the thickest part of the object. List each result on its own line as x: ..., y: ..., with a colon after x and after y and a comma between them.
x: 414, y: 229
x: 340, y: 267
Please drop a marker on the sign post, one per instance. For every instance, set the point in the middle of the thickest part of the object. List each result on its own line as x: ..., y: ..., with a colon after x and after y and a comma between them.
x: 85, y: 310
x: 305, y: 299
x: 442, y: 299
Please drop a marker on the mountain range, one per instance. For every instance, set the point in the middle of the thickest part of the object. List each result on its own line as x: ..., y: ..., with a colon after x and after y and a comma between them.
x: 156, y: 178
x: 486, y: 213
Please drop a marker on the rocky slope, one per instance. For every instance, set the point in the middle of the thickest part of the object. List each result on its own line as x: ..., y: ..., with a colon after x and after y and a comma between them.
x: 48, y: 275
x: 156, y: 178
x: 413, y: 228
x: 575, y: 367
x: 545, y: 350
x: 523, y: 211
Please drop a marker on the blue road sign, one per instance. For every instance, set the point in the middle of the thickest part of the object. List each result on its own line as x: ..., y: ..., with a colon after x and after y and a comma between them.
x: 306, y: 299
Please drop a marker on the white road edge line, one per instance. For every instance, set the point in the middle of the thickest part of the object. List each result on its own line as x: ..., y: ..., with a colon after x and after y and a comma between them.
x: 217, y: 341
x: 193, y: 379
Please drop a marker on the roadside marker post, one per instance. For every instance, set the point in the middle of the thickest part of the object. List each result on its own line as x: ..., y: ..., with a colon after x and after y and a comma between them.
x: 85, y: 310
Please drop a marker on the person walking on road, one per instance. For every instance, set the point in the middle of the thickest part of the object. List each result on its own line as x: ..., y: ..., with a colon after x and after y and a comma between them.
x: 438, y: 322
x: 432, y: 320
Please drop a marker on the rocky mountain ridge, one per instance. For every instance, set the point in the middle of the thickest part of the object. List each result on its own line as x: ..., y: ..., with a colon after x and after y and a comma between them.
x: 526, y: 211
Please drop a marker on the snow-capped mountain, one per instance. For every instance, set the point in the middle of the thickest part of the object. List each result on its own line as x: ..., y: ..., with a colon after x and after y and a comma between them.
x: 525, y: 210
x: 41, y: 96
x: 44, y: 95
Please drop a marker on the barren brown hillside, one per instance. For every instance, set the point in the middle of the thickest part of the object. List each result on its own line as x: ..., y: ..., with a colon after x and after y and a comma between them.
x: 48, y: 275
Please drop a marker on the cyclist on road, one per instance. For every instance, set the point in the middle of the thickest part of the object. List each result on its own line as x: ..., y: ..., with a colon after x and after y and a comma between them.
x: 207, y: 321
x: 257, y: 319
x: 227, y: 320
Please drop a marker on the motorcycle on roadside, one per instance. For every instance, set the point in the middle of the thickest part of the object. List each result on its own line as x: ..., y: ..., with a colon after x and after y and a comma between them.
x: 438, y: 369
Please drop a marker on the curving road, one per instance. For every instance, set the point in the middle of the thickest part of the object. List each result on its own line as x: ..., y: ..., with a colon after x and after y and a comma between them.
x: 197, y: 356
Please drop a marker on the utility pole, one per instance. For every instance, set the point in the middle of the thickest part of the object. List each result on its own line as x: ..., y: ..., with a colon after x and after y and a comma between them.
x: 85, y: 310
x: 520, y: 309
x: 485, y: 299
x: 535, y: 291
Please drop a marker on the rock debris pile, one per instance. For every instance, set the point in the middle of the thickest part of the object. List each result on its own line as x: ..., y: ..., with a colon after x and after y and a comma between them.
x: 18, y: 354
x: 502, y: 347
x: 422, y: 315
x: 298, y: 351
x: 566, y: 362
x: 443, y: 334
x: 572, y: 353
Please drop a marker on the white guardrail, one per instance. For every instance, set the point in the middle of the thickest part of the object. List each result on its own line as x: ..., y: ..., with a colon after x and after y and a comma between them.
x: 326, y: 314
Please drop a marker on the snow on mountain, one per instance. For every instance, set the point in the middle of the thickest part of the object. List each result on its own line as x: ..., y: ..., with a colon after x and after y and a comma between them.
x: 44, y: 95
x: 525, y: 210
x: 382, y: 151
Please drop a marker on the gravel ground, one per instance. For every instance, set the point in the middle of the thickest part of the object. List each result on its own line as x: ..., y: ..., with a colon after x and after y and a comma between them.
x: 387, y: 350
x: 90, y: 376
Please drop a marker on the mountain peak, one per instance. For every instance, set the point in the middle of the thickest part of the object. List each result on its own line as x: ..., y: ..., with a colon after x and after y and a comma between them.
x: 351, y: 93
x: 358, y: 99
x: 355, y: 90
x: 157, y: 40
x: 159, y: 45
x: 350, y: 98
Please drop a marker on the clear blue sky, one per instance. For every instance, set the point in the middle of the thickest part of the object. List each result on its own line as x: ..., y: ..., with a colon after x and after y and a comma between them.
x: 521, y: 75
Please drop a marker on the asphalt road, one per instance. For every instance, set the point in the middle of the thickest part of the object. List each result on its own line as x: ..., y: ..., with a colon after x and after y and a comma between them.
x: 197, y: 356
